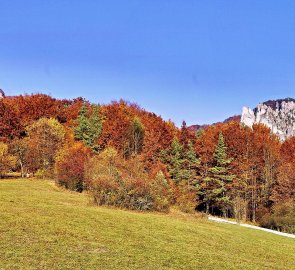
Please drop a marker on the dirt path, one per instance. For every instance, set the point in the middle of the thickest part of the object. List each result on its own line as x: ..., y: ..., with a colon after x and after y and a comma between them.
x: 216, y: 219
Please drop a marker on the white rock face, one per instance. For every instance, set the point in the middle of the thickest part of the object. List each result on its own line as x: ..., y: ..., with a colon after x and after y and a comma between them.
x: 248, y: 117
x: 2, y: 94
x: 278, y: 115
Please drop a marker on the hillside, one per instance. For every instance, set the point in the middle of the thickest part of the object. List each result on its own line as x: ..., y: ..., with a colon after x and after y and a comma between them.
x: 235, y: 118
x: 44, y: 227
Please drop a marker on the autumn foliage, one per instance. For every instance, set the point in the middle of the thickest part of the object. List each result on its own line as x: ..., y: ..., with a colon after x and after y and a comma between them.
x: 70, y: 166
x: 127, y: 157
x: 124, y: 183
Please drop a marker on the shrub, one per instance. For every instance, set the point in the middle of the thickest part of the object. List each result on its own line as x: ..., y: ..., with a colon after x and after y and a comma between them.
x: 185, y: 198
x: 43, y: 173
x: 281, y: 217
x: 70, y: 166
x: 161, y: 192
x: 186, y: 202
x: 114, y: 181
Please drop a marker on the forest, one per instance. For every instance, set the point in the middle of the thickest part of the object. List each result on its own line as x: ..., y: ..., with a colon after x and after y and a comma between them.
x: 125, y: 156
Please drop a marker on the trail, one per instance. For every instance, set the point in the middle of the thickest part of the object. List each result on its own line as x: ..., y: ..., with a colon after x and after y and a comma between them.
x: 216, y: 219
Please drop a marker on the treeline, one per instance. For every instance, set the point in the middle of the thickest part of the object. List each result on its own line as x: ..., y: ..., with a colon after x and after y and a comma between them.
x: 128, y: 157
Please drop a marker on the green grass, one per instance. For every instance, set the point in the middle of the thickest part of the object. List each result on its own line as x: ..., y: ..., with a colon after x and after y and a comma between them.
x: 44, y: 227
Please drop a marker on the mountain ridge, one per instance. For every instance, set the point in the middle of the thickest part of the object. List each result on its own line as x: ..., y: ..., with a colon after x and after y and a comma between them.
x: 278, y: 115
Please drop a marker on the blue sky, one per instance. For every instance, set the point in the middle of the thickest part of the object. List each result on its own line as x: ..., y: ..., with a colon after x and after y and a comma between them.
x: 198, y: 60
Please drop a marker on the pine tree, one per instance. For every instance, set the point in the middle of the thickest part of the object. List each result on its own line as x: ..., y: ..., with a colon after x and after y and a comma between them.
x: 173, y: 157
x: 176, y: 161
x: 214, y: 189
x: 83, y: 125
x: 89, y: 127
x: 182, y: 164
x: 191, y: 164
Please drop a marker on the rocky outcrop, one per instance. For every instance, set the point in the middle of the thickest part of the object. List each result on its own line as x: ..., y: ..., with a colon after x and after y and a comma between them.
x: 278, y: 115
x: 2, y: 94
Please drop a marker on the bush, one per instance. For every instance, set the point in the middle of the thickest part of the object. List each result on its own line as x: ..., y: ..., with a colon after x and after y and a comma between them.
x: 186, y: 201
x: 70, y: 166
x: 281, y: 217
x: 43, y: 173
x: 114, y: 181
x: 161, y: 192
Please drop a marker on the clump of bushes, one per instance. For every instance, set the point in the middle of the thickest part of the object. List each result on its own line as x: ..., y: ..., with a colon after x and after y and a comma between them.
x: 114, y: 181
x: 281, y: 217
x: 43, y: 173
x: 185, y: 198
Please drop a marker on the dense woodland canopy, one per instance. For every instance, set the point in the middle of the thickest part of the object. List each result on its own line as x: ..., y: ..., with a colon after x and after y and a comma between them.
x: 128, y: 157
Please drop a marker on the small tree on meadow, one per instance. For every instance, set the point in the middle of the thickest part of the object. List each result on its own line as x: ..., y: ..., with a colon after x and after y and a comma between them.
x: 70, y: 166
x: 45, y: 138
x: 19, y: 148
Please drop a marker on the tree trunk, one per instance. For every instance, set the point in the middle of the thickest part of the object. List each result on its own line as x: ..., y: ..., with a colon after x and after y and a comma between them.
x: 22, y: 170
x: 207, y: 208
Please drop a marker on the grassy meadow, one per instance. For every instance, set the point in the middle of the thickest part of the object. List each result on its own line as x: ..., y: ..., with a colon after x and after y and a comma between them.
x: 45, y: 227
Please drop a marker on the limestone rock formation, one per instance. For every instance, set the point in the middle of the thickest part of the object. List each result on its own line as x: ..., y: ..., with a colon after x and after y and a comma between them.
x: 278, y: 115
x: 2, y: 94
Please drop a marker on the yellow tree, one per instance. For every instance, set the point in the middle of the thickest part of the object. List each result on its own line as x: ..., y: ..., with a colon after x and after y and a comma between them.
x: 7, y: 161
x: 19, y: 148
x: 46, y: 137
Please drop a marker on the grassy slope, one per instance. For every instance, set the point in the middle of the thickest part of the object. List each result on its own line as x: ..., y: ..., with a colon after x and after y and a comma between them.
x: 43, y: 227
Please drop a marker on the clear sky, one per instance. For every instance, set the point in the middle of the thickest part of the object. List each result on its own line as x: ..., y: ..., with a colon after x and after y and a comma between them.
x: 198, y: 60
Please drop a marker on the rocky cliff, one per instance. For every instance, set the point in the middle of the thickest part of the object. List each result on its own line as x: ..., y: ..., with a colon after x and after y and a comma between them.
x: 2, y: 94
x: 278, y: 115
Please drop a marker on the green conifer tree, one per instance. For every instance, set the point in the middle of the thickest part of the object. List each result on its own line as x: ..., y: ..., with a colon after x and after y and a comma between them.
x: 191, y: 164
x: 182, y: 164
x: 215, y: 189
x: 176, y: 161
x: 89, y: 127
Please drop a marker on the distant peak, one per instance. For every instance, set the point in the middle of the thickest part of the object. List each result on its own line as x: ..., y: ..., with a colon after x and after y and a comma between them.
x: 276, y: 104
